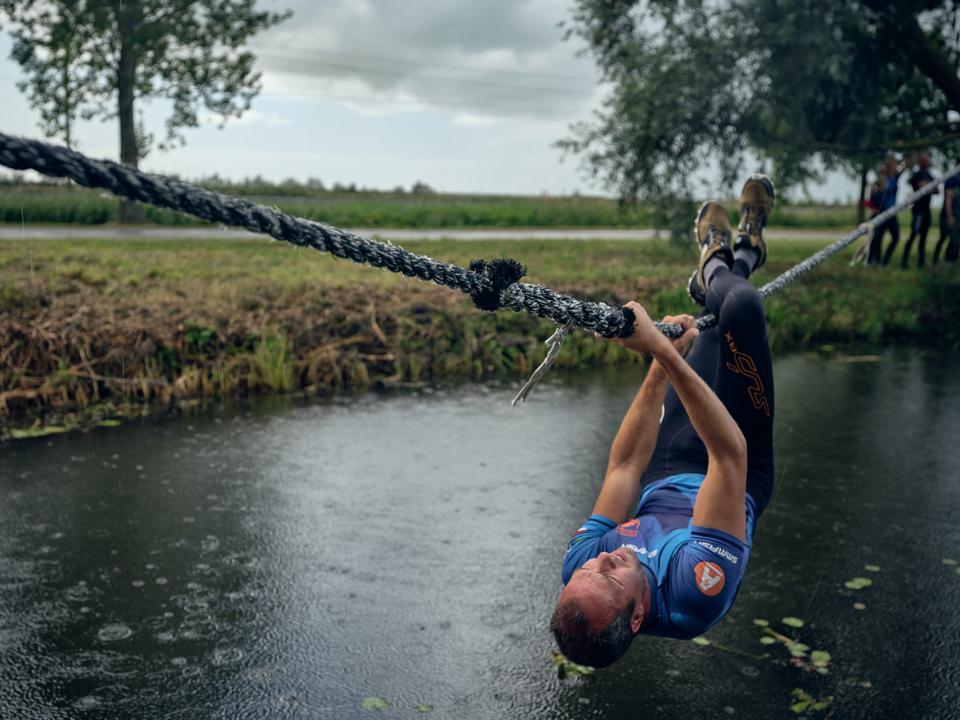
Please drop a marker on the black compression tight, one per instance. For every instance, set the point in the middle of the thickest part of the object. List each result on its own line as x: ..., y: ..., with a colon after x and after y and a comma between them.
x: 733, y: 358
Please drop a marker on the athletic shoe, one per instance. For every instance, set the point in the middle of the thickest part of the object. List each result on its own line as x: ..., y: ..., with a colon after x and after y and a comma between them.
x: 713, y: 231
x: 756, y: 202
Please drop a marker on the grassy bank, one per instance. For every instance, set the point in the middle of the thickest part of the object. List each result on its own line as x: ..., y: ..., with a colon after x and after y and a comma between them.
x: 104, y: 326
x: 76, y: 205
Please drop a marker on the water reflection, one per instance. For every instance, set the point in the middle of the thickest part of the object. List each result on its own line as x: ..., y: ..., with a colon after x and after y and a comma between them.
x: 292, y: 563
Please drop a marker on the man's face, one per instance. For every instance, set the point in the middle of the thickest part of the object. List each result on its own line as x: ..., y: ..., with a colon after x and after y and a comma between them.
x: 606, y: 584
x: 891, y: 166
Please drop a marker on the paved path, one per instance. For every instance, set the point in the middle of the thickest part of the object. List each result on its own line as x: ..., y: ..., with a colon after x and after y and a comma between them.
x: 69, y: 232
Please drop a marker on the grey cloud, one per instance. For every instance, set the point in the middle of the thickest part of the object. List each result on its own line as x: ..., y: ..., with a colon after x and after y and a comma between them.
x: 438, y: 51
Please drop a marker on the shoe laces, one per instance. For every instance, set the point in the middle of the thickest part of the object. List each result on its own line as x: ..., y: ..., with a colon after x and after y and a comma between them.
x: 717, y: 235
x: 753, y: 216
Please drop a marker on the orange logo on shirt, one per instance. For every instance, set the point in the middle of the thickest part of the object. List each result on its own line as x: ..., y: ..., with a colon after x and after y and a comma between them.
x: 710, y: 578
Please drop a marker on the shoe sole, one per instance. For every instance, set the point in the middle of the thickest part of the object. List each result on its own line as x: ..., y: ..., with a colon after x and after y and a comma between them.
x: 767, y: 185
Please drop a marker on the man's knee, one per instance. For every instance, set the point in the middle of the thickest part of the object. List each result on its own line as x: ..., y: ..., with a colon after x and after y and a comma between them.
x: 742, y: 304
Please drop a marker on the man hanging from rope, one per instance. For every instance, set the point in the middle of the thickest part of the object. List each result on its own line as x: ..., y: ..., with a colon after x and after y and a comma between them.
x: 671, y: 564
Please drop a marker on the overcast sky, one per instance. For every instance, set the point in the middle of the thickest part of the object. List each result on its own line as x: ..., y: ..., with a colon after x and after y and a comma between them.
x: 467, y: 96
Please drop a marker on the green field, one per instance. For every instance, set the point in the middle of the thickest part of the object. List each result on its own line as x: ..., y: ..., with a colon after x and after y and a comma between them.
x: 44, y: 203
x: 102, y: 326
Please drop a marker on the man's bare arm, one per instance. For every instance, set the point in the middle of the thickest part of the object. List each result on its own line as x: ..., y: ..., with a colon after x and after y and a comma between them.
x: 637, y: 437
x: 721, y: 500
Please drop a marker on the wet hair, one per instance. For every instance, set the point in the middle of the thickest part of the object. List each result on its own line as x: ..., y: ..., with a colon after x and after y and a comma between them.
x: 571, y: 628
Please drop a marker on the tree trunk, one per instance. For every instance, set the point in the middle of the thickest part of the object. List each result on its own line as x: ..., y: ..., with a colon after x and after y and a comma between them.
x: 861, y: 209
x: 130, y: 211
x: 67, y: 97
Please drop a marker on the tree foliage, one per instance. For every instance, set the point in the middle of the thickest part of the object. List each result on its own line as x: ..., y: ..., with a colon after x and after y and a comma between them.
x: 96, y: 58
x: 799, y: 85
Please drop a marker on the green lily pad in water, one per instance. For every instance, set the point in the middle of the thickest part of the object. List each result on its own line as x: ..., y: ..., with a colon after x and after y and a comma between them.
x: 805, y: 702
x: 872, y: 568
x: 760, y: 622
x: 858, y: 583
x: 700, y: 641
x: 36, y: 431
x: 792, y: 622
x: 859, y: 606
x: 568, y: 668
x: 374, y: 703
x: 820, y: 658
x: 949, y: 561
x: 767, y: 640
x: 798, y: 650
x: 424, y: 708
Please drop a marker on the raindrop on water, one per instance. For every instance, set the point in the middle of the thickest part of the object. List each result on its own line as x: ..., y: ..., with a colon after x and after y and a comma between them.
x: 224, y: 656
x: 114, y: 632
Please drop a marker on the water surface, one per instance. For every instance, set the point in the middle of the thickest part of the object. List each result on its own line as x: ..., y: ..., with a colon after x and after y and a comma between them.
x: 290, y: 563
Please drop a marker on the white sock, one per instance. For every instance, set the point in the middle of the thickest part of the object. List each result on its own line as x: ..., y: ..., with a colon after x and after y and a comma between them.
x: 749, y: 255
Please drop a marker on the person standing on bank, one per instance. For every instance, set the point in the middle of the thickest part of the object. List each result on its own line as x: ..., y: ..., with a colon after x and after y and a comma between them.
x: 671, y: 564
x: 920, y: 213
x: 889, y: 182
x: 949, y: 230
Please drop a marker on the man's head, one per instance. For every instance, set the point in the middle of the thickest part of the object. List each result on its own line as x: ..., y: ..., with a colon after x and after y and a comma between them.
x: 601, y: 609
x: 924, y: 161
x: 890, y: 165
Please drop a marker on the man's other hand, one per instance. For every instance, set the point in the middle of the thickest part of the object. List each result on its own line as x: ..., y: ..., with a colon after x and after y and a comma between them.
x: 690, y: 331
x: 646, y: 338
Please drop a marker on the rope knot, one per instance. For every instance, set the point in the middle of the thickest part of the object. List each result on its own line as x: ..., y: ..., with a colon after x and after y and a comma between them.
x: 502, y: 273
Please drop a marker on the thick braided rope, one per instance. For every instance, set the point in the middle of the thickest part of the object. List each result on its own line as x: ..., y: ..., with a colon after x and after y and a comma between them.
x: 58, y: 161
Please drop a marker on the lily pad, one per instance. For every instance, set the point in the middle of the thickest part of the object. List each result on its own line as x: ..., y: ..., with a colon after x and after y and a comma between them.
x: 858, y: 583
x: 820, y: 658
x: 806, y: 702
x: 33, y: 432
x: 859, y: 606
x: 374, y: 703
x: 949, y: 561
x: 793, y: 622
x: 700, y: 641
x: 798, y: 650
x: 760, y: 622
x: 872, y: 568
x: 424, y: 708
x: 569, y: 668
x: 767, y: 640
x: 109, y: 423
